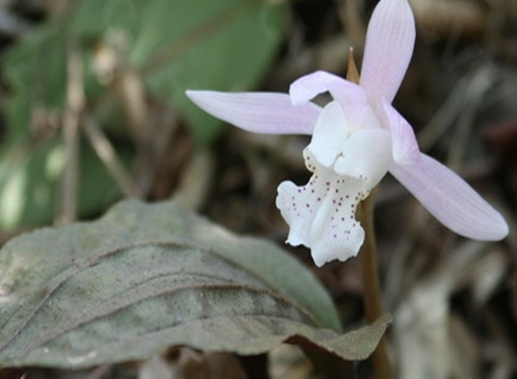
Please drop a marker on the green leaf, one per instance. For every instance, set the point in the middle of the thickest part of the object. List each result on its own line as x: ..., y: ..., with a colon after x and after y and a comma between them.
x: 229, y: 51
x: 175, y: 44
x: 146, y: 277
x: 30, y: 180
x: 35, y: 72
x: 222, y: 45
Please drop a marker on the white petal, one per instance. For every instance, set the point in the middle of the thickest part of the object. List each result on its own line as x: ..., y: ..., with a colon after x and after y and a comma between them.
x: 405, y: 145
x: 361, y: 116
x: 389, y: 45
x: 321, y: 215
x: 366, y: 155
x: 271, y: 113
x: 309, y: 86
x: 451, y: 200
x: 329, y: 135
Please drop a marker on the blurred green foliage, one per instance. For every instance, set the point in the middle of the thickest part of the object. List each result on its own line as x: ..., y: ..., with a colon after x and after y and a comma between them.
x: 30, y: 187
x: 172, y: 44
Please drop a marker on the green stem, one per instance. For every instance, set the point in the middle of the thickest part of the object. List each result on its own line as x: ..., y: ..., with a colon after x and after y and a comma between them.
x: 371, y: 287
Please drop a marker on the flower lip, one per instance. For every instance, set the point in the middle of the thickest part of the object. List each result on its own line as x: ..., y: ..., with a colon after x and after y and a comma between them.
x: 321, y: 215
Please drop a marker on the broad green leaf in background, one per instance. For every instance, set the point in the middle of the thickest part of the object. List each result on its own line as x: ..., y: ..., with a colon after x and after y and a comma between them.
x: 223, y: 45
x: 173, y: 44
x: 176, y: 45
x: 146, y: 277
x: 30, y: 185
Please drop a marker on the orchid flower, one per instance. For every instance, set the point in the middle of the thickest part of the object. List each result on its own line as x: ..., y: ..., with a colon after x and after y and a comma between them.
x: 356, y: 139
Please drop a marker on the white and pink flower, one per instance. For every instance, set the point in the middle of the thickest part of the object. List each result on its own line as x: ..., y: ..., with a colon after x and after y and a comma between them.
x: 356, y: 139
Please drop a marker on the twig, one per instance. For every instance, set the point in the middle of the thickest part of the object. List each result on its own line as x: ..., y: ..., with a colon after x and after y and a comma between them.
x: 481, y: 81
x: 444, y: 117
x: 468, y: 92
x: 100, y: 372
x: 109, y: 158
x: 161, y: 125
x: 195, y: 182
x: 130, y: 90
x: 71, y: 119
x: 461, y: 137
x: 150, y: 122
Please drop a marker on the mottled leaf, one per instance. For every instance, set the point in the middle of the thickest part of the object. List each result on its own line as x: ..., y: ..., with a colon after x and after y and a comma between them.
x: 146, y: 277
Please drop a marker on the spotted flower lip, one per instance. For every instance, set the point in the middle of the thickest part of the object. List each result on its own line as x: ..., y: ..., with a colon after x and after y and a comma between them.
x: 356, y: 139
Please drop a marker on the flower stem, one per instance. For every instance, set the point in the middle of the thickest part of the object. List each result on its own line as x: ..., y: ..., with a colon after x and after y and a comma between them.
x: 369, y: 264
x: 371, y: 287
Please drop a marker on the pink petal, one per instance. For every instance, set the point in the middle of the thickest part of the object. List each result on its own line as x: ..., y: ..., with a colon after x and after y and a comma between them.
x: 451, y: 200
x: 389, y: 45
x: 309, y: 86
x: 271, y: 113
x: 404, y: 144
